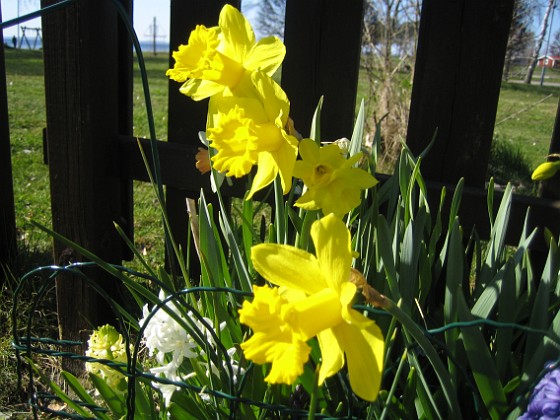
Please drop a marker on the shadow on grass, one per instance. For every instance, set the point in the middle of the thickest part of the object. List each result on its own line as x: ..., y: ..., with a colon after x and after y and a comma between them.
x: 509, y: 164
x: 24, y: 62
x: 45, y: 324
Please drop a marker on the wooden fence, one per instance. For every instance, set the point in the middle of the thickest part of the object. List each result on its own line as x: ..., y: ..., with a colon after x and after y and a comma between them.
x: 93, y: 157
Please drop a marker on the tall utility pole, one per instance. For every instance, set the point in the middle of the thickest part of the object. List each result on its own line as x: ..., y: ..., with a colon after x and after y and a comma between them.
x: 539, y: 42
x: 547, y: 44
x: 154, y: 34
x: 17, y: 31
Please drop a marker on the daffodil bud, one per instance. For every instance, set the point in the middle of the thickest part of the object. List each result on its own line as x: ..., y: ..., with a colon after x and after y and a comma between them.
x: 545, y: 171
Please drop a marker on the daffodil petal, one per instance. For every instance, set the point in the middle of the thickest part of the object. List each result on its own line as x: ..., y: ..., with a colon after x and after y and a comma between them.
x: 267, y: 55
x: 332, y: 356
x: 331, y: 155
x: 353, y: 160
x: 357, y: 178
x: 309, y: 151
x: 251, y: 107
x: 332, y: 245
x: 273, y: 341
x: 351, y: 316
x: 307, y: 201
x: 288, y: 266
x: 285, y: 158
x: 288, y: 362
x: 274, y: 99
x: 199, y: 89
x: 336, y: 198
x: 266, y: 172
x: 303, y: 169
x: 237, y: 32
x: 364, y: 349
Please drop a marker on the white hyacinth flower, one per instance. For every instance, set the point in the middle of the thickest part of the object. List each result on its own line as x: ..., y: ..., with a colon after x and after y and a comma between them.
x: 163, y: 335
x: 171, y: 344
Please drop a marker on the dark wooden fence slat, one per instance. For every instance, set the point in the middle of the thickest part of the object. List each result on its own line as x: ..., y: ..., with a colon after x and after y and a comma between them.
x: 125, y: 86
x: 461, y: 50
x: 82, y: 97
x: 187, y: 117
x: 8, y: 246
x: 323, y: 39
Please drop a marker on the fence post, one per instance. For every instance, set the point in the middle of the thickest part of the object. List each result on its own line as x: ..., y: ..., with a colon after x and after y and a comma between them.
x: 457, y: 79
x: 187, y: 117
x: 84, y: 97
x: 7, y: 212
x: 323, y: 39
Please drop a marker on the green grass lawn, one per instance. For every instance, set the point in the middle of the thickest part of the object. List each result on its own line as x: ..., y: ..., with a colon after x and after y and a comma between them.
x: 524, y: 126
x: 526, y: 116
x: 26, y: 103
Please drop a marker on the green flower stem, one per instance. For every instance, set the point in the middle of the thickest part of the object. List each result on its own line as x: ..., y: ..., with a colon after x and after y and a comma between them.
x: 394, y: 385
x: 417, y: 334
x: 314, y: 392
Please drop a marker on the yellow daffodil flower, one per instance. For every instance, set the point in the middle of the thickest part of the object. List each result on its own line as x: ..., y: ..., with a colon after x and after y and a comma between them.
x: 219, y: 57
x: 333, y: 184
x: 314, y: 299
x: 247, y: 131
x: 545, y: 171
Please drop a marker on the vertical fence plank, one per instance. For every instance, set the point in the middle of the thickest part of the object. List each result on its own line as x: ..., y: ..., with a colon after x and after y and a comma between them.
x: 323, y: 39
x: 125, y: 121
x: 187, y: 117
x: 7, y: 211
x: 457, y: 78
x: 81, y: 55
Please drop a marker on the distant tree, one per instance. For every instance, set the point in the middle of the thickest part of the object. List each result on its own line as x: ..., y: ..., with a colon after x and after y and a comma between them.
x: 538, y: 43
x: 390, y: 34
x: 520, y: 34
x: 555, y: 45
x: 271, y: 17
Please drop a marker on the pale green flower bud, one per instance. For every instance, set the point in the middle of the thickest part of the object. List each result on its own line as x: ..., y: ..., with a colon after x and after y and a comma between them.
x: 106, y: 343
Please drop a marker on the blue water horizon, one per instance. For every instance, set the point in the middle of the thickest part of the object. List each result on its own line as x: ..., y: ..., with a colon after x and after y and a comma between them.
x: 37, y: 44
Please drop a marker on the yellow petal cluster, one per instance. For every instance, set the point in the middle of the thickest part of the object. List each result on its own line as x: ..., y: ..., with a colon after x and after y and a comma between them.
x: 248, y: 112
x: 248, y: 131
x: 218, y: 58
x: 333, y: 183
x: 313, y: 299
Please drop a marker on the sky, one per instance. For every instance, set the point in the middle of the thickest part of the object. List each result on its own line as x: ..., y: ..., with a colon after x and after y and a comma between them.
x: 144, y: 13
